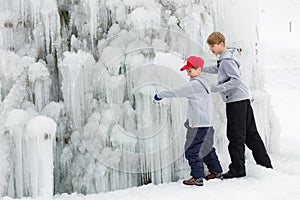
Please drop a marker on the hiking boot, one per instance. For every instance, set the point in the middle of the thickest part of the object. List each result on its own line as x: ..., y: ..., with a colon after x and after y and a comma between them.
x: 229, y: 175
x: 193, y: 181
x: 213, y: 175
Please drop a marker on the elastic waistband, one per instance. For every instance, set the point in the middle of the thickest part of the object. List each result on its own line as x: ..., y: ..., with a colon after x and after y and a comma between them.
x: 236, y: 102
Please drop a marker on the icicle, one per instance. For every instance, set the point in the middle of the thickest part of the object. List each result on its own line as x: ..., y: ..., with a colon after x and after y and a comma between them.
x: 39, y: 79
x: 51, y: 22
x: 93, y: 19
x: 16, y: 122
x: 5, y: 167
x: 35, y: 11
x: 77, y: 70
x: 12, y: 100
x: 40, y: 137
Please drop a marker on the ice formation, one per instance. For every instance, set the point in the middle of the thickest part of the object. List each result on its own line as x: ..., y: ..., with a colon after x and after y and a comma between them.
x: 77, y: 82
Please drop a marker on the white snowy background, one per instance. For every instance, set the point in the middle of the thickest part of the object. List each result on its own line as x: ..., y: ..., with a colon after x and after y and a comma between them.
x: 277, y: 72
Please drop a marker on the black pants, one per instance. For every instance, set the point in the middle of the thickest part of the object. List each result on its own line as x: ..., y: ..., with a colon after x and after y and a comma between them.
x: 241, y: 130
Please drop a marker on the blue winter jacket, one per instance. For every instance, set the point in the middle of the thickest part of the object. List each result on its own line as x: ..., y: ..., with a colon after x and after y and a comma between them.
x: 200, y: 106
x: 230, y: 84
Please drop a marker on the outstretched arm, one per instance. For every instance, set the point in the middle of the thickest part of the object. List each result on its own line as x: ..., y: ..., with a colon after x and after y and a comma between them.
x: 185, y: 91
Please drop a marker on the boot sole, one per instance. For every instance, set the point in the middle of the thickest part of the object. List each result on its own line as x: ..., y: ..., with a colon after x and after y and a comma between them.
x: 193, y: 184
x: 219, y: 177
x: 239, y: 176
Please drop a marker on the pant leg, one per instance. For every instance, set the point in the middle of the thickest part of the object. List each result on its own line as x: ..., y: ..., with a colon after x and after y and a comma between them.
x: 210, y: 157
x: 254, y: 141
x: 236, y: 134
x: 194, y: 140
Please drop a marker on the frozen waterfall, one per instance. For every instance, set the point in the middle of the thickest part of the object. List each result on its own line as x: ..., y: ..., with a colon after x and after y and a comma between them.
x: 77, y: 82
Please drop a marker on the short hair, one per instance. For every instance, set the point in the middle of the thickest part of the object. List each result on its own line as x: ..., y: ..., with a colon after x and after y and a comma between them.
x: 215, y: 38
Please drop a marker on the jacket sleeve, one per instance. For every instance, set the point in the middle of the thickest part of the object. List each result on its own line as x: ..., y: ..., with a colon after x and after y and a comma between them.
x: 231, y: 70
x: 185, y: 91
x: 213, y: 69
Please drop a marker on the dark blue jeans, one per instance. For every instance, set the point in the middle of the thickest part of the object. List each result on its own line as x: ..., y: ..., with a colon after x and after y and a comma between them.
x: 199, y: 149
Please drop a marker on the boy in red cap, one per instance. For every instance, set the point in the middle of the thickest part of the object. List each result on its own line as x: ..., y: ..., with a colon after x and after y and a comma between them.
x: 200, y: 133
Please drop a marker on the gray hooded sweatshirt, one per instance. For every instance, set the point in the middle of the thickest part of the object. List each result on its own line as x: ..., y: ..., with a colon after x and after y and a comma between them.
x: 230, y: 84
x: 200, y: 106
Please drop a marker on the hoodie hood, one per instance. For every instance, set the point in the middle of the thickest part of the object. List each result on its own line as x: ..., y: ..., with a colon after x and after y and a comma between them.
x: 203, y: 81
x: 231, y: 54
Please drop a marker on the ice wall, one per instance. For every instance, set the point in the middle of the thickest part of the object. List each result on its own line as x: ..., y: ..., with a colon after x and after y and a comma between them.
x: 27, y: 140
x: 25, y: 20
x: 130, y: 138
x: 102, y: 62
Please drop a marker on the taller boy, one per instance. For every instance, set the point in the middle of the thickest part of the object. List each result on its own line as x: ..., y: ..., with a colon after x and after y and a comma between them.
x: 241, y: 127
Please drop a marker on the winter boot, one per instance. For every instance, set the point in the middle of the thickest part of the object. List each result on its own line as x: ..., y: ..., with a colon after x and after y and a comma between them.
x: 213, y: 175
x: 230, y: 175
x: 193, y: 181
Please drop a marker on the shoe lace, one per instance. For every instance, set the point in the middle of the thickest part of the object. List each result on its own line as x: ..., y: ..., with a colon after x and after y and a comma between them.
x: 191, y: 180
x: 212, y: 175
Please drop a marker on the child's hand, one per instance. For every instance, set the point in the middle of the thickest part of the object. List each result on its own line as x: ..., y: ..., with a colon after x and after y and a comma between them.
x: 157, y: 98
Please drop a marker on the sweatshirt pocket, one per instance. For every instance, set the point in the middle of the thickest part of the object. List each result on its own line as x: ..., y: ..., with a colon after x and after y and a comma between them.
x: 227, y: 95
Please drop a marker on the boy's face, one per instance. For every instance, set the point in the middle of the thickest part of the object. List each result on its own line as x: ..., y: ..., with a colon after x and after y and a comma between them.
x: 192, y: 72
x: 217, y: 48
